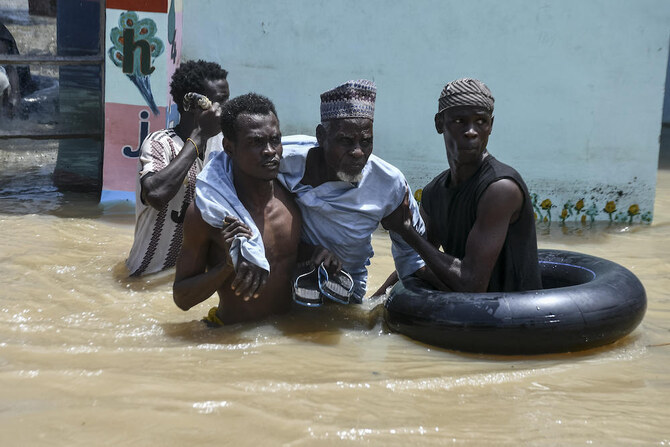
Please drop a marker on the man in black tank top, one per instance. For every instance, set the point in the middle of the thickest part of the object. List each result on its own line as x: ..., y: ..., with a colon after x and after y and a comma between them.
x: 479, y: 210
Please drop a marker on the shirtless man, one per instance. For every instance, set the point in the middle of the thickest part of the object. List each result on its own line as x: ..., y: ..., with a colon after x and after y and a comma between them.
x: 478, y: 210
x: 252, y: 141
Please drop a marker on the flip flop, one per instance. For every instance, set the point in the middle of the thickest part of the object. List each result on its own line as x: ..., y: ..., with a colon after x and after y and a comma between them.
x: 306, y: 289
x: 337, y: 287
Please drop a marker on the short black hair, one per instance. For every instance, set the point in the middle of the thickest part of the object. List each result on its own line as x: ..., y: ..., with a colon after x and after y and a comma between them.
x: 251, y: 103
x: 191, y: 76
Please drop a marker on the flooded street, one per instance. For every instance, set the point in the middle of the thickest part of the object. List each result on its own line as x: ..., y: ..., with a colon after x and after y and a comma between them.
x: 88, y: 357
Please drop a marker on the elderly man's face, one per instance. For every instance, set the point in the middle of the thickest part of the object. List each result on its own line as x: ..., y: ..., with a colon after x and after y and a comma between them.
x: 347, y: 145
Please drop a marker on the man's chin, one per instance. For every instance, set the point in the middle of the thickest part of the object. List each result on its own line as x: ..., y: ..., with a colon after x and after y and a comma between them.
x: 345, y: 177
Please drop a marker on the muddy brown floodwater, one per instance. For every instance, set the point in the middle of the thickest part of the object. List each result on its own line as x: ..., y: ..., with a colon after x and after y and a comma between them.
x: 88, y: 357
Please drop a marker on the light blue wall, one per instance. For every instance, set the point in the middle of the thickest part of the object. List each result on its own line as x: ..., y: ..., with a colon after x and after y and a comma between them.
x: 578, y: 84
x: 666, y: 102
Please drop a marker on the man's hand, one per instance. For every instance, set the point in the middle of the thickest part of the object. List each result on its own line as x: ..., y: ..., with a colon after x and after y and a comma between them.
x: 400, y: 220
x: 249, y: 280
x: 209, y: 121
x: 232, y: 227
x: 331, y: 262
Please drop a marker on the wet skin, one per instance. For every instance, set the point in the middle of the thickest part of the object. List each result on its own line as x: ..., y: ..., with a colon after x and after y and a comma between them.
x: 247, y: 292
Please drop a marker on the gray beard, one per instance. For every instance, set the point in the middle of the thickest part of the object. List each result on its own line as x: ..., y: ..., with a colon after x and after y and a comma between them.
x: 344, y: 177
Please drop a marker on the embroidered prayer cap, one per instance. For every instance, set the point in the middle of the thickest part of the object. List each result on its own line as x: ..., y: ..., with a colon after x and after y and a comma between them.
x: 465, y: 92
x: 353, y: 99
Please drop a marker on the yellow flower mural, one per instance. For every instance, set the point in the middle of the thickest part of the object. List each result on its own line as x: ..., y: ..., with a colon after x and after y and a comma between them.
x: 633, y: 211
x: 566, y: 211
x: 610, y: 207
x: 417, y: 195
x: 585, y: 211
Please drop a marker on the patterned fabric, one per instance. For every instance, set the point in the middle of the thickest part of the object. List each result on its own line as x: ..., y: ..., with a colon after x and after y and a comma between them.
x: 353, y: 99
x: 159, y: 233
x: 465, y: 92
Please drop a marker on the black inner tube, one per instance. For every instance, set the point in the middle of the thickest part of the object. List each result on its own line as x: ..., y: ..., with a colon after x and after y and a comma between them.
x: 586, y: 302
x: 559, y: 274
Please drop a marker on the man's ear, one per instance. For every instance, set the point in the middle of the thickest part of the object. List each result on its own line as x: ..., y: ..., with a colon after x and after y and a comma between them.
x: 320, y: 134
x: 228, y: 146
x: 492, y: 117
x: 439, y: 122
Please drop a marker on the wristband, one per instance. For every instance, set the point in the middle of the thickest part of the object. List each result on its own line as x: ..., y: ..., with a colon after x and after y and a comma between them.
x: 194, y: 145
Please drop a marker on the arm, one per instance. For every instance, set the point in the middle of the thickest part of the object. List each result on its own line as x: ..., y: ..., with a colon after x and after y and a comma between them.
x: 423, y: 273
x: 391, y: 280
x: 194, y: 283
x: 160, y: 187
x: 498, y: 207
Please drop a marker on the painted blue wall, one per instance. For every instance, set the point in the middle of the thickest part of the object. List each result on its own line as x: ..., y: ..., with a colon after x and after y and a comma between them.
x: 579, y: 85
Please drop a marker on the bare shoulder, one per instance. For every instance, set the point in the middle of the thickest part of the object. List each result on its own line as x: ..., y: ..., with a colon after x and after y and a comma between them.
x: 502, y: 198
x: 504, y: 189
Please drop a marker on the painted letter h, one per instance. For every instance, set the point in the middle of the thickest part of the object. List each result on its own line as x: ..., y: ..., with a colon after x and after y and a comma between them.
x: 129, y: 47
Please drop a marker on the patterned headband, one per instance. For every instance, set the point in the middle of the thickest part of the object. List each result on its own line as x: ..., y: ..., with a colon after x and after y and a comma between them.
x: 465, y: 92
x: 353, y: 99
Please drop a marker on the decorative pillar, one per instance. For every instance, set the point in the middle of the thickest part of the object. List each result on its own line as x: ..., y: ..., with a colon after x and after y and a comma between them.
x: 143, y: 48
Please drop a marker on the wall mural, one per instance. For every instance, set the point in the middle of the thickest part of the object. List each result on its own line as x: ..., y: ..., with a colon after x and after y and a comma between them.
x: 134, y: 50
x: 583, y: 212
x: 144, y: 127
x: 172, y: 32
x: 587, y: 213
x: 143, y: 47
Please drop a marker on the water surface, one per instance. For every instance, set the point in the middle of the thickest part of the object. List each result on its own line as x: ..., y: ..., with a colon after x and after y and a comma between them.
x: 88, y: 357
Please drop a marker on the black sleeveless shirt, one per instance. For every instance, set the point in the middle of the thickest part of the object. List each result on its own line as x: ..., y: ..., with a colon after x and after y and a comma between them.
x: 452, y: 213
